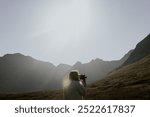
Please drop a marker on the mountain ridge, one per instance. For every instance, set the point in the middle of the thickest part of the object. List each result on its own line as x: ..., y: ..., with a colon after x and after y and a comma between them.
x: 18, y: 71
x: 97, y: 68
x: 141, y: 50
x: 129, y: 81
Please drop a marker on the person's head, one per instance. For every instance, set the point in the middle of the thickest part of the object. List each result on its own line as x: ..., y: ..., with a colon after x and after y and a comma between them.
x: 74, y: 75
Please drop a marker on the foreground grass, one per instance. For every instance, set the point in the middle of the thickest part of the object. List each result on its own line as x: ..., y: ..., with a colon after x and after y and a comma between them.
x: 129, y: 82
x: 40, y: 95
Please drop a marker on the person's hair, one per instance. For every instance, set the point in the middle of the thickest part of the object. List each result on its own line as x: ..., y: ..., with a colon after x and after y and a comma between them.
x: 74, y: 75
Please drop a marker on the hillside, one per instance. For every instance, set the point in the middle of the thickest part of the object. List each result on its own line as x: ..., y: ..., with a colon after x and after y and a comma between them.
x: 29, y: 78
x: 39, y: 95
x: 129, y: 82
x: 97, y: 69
x: 142, y: 49
x: 19, y: 73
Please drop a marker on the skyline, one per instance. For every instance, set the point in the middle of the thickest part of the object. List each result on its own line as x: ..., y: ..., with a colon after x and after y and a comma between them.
x: 72, y: 30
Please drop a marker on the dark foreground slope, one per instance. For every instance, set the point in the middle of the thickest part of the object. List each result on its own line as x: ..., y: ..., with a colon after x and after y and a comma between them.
x: 129, y: 82
x: 40, y: 95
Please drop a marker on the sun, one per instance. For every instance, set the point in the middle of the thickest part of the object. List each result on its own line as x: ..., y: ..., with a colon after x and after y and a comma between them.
x: 69, y: 21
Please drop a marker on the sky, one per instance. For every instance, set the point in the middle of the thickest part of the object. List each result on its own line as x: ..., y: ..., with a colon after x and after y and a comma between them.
x: 67, y: 31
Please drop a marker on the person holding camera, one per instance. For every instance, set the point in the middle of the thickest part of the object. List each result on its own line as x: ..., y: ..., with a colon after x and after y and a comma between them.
x: 76, y: 88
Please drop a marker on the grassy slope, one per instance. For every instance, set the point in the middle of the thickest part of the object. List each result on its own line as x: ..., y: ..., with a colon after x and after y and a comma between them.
x: 129, y: 82
x: 41, y: 95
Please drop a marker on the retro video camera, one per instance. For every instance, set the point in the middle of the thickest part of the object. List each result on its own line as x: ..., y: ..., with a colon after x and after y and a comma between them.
x: 82, y: 76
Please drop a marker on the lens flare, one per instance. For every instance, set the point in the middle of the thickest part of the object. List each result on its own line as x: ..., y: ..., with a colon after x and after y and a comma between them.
x: 66, y: 81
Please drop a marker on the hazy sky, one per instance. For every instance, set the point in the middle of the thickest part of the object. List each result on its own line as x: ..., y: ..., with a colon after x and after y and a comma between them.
x: 66, y: 31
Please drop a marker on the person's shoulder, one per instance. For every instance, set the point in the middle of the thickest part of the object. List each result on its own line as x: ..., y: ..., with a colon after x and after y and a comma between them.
x: 76, y: 82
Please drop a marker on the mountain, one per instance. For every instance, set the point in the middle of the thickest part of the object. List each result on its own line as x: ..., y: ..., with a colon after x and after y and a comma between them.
x: 97, y: 69
x: 59, y: 72
x: 142, y: 49
x: 19, y: 73
x: 129, y: 82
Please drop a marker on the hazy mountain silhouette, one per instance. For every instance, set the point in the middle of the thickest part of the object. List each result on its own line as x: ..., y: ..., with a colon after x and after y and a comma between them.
x: 142, y: 49
x: 97, y: 69
x: 130, y: 81
x: 19, y: 73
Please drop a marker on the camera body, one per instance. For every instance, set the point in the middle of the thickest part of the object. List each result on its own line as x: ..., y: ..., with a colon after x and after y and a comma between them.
x: 82, y: 76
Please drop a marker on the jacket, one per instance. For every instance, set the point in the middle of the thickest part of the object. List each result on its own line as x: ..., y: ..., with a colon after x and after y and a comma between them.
x: 74, y: 91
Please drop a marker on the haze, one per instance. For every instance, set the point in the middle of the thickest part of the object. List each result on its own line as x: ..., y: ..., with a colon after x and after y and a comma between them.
x: 66, y: 31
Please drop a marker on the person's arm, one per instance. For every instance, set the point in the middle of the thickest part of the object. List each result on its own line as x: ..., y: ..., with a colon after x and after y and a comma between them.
x: 84, y: 82
x: 81, y: 89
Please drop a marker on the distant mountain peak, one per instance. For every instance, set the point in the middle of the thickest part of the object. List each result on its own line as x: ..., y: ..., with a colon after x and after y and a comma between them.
x: 96, y: 60
x: 15, y: 54
x: 63, y: 66
x: 78, y: 63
